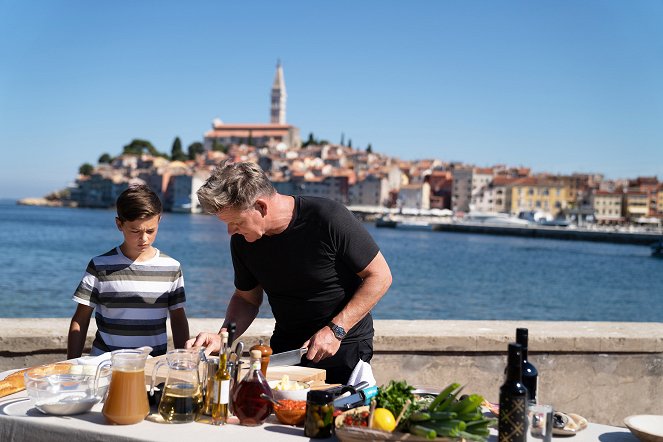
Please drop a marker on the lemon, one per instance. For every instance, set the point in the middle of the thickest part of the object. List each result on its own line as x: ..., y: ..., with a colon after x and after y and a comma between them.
x: 383, y: 420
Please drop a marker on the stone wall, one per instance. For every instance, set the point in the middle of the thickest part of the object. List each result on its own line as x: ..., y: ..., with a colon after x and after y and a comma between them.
x: 604, y: 371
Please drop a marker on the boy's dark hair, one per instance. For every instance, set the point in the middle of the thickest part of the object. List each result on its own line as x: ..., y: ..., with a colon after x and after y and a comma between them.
x: 138, y: 202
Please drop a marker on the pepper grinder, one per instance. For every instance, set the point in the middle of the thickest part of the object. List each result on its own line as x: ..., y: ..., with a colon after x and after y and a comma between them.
x: 265, y: 353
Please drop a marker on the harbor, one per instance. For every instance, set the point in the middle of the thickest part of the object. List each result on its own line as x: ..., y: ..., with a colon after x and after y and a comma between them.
x: 512, y: 226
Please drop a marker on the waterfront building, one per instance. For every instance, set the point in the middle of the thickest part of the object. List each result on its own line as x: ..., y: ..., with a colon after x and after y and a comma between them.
x: 650, y: 186
x: 636, y: 204
x: 659, y: 201
x: 415, y: 196
x: 462, y: 189
x: 441, y: 186
x: 495, y: 197
x: 99, y: 190
x: 481, y: 176
x: 538, y: 194
x: 372, y: 190
x: 332, y: 187
x: 608, y: 208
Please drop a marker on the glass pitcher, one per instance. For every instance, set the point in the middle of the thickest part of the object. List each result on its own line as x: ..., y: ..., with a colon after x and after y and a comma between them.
x: 182, y: 395
x: 127, y: 399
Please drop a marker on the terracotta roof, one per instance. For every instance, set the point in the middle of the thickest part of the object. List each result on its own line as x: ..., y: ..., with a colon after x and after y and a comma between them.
x: 238, y: 132
x: 483, y: 170
x: 217, y: 125
x: 503, y: 180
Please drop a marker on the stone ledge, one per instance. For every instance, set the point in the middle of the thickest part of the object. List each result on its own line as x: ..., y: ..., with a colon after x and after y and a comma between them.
x: 27, y: 335
x: 581, y: 364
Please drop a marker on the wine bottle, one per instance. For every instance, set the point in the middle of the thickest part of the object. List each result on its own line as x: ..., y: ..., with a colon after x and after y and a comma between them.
x: 221, y: 391
x: 512, y: 425
x: 530, y: 373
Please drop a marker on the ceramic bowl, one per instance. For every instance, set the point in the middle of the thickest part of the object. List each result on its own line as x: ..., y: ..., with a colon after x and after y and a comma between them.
x: 291, y: 390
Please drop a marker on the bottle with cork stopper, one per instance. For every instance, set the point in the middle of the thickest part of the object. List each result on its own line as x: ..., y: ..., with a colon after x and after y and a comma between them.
x: 252, y: 397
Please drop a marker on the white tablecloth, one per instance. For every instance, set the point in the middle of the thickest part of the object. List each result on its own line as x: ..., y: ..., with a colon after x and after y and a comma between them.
x: 21, y: 422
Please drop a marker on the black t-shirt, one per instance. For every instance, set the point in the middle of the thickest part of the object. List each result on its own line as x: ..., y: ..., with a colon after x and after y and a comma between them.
x: 309, y: 271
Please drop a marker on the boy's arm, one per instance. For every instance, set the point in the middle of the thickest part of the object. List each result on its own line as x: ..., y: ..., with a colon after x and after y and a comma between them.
x: 78, y: 331
x: 179, y: 325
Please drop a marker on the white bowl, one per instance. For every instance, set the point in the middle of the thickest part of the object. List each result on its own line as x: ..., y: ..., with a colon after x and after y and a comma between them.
x: 294, y: 390
x: 646, y: 427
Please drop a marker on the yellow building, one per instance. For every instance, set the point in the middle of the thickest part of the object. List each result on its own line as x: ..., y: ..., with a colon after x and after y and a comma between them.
x: 538, y: 194
x: 637, y: 204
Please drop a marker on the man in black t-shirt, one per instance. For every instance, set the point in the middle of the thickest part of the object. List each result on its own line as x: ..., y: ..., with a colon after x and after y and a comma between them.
x: 321, y: 270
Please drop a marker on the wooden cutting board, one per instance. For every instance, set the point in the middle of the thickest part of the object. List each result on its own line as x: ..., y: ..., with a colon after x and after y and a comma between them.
x: 304, y: 374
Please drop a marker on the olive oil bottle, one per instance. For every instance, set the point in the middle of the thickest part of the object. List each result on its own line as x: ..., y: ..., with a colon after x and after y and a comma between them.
x: 221, y: 390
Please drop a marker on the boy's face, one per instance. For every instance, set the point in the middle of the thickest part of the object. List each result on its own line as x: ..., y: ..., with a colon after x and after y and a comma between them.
x: 139, y: 234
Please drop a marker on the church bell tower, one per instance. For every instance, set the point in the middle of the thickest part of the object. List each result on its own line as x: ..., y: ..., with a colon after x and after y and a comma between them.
x: 277, y: 111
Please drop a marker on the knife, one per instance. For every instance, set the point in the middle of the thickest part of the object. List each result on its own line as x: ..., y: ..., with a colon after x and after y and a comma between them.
x: 291, y: 357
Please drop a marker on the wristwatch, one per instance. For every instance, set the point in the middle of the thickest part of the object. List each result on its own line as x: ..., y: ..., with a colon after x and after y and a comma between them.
x: 339, y: 331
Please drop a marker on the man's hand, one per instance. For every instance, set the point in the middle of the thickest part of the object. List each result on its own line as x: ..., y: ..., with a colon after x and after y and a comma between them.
x: 211, y: 342
x: 322, y: 345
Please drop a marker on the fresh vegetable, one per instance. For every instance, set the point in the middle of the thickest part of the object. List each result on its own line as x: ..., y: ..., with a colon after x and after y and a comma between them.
x: 384, y: 420
x: 450, y: 416
x: 393, y: 397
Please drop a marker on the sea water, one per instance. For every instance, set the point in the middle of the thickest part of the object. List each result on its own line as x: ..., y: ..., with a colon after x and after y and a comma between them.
x: 436, y: 275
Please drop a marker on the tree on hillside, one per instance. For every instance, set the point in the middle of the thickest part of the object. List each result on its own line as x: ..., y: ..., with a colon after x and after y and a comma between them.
x: 350, y: 143
x: 138, y: 147
x: 86, y: 169
x: 105, y: 159
x: 310, y: 140
x: 217, y: 146
x: 342, y: 139
x: 369, y: 149
x: 194, y: 149
x: 176, y: 153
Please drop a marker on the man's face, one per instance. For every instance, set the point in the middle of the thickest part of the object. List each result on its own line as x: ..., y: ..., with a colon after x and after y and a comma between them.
x: 139, y: 234
x: 249, y: 222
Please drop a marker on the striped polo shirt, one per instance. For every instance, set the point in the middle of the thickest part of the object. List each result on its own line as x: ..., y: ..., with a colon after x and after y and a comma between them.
x: 131, y: 300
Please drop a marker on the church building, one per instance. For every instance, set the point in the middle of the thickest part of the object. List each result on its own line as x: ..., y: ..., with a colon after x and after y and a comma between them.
x: 259, y: 134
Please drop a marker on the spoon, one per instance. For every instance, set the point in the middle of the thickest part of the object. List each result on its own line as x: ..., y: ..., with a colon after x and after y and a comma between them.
x: 270, y: 399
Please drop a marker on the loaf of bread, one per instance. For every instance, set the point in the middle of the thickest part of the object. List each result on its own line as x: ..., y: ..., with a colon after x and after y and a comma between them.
x: 15, y: 382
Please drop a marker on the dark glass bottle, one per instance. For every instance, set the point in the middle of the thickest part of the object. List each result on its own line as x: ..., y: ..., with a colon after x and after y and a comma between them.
x: 512, y: 425
x: 530, y: 373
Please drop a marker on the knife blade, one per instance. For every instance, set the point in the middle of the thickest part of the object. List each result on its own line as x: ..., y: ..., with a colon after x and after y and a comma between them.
x: 291, y: 357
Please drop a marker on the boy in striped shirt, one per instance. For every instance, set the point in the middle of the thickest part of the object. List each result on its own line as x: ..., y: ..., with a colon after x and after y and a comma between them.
x: 133, y: 287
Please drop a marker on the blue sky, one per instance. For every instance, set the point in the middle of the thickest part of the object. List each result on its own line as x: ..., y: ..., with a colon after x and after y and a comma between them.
x: 559, y: 86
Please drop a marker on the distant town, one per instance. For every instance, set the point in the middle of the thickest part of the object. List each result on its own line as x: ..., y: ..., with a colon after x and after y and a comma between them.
x: 360, y: 177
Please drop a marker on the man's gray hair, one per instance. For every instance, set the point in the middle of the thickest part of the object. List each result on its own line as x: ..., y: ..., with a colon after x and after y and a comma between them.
x: 234, y: 186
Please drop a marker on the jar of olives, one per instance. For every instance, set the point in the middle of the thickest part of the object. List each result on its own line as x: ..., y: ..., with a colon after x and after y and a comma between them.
x: 319, y: 414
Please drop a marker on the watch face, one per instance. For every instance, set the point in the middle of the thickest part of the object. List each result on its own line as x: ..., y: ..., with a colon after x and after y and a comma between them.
x: 339, y: 331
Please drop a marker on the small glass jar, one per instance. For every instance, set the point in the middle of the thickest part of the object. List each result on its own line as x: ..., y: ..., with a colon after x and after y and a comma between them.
x: 319, y: 414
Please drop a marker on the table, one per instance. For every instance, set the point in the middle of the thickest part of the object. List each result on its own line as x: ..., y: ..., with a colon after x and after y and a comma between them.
x: 21, y: 422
